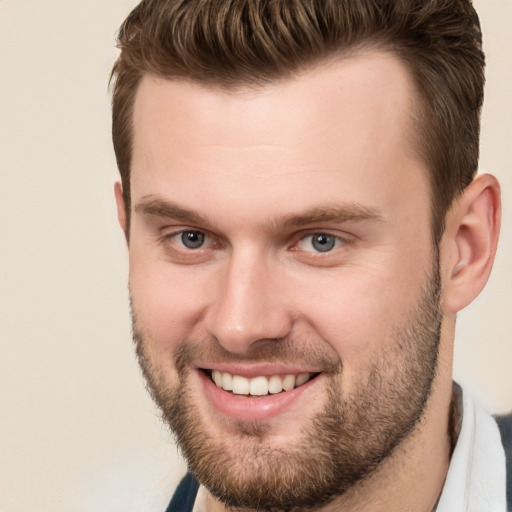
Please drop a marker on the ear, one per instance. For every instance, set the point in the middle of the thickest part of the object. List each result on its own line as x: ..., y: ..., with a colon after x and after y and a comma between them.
x: 470, y: 242
x: 121, y: 207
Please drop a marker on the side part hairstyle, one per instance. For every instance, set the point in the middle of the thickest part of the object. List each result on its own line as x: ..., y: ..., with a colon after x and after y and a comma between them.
x: 235, y: 43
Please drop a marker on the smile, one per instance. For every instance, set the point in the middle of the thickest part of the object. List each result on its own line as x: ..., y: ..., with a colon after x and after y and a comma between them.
x: 256, y: 394
x: 260, y: 385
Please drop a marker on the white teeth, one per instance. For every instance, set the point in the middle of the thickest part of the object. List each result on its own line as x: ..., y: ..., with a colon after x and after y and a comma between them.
x: 289, y: 382
x: 258, y: 386
x: 240, y: 385
x: 227, y: 382
x: 302, y: 378
x: 217, y: 377
x: 275, y: 384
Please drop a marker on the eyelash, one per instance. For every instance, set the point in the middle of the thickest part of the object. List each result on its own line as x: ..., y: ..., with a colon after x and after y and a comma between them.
x: 174, y: 235
x: 338, y: 241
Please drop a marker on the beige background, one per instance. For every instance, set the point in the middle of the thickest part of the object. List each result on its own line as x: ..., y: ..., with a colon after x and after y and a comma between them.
x: 77, y: 430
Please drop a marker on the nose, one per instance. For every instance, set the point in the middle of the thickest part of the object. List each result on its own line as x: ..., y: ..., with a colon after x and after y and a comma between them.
x: 248, y: 304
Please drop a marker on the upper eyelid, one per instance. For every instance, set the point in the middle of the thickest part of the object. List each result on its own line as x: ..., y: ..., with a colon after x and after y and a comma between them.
x: 330, y: 232
x: 172, y: 231
x: 327, y: 233
x: 176, y: 232
x: 316, y: 231
x: 345, y: 240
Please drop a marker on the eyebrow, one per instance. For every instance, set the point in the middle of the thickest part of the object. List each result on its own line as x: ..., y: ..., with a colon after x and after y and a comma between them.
x: 332, y: 213
x: 154, y: 206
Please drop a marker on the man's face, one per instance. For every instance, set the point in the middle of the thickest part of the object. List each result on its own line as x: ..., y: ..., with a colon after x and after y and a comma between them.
x: 280, y: 238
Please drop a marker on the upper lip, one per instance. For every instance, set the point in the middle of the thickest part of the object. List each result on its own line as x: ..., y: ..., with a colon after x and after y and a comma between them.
x: 256, y: 370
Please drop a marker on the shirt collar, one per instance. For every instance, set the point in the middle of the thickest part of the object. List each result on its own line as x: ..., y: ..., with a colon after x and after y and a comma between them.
x: 476, y: 476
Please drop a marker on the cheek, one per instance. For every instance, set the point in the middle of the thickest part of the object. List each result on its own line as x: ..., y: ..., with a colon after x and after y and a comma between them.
x: 358, y: 312
x: 166, y: 304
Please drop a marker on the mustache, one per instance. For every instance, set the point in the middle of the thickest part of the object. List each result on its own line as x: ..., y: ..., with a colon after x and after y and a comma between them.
x: 283, y: 351
x: 296, y: 349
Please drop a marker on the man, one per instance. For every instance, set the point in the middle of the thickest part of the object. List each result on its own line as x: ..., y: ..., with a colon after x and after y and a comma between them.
x: 304, y: 223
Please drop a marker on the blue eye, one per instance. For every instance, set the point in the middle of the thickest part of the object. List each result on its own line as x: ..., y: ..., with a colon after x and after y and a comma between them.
x: 320, y: 242
x: 192, y: 239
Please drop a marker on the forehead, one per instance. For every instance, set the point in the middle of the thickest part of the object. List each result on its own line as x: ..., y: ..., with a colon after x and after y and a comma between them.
x: 347, y: 124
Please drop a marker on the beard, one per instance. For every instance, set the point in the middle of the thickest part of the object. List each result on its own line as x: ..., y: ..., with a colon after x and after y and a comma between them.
x: 340, y: 446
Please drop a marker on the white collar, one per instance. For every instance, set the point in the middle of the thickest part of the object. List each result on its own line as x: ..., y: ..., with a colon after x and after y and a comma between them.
x: 475, y: 481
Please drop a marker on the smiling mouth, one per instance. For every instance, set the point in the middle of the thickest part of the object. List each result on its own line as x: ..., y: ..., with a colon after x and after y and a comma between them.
x: 258, y: 386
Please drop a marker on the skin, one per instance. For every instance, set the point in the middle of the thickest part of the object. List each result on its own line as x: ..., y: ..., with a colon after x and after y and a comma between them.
x: 338, y: 137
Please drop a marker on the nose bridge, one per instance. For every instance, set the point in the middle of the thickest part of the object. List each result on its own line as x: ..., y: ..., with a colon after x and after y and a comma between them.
x: 248, y: 306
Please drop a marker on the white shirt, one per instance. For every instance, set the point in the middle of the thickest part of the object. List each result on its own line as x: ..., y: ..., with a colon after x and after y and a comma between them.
x: 476, y: 478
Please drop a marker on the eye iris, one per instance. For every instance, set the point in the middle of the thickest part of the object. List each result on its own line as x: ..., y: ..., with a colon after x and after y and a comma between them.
x: 322, y: 242
x: 192, y: 239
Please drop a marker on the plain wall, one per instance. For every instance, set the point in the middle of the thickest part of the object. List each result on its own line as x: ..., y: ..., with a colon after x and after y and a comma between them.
x: 78, y: 431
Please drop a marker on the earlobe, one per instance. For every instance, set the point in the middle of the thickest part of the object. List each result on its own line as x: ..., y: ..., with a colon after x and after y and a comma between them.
x: 121, y: 210
x: 471, y: 240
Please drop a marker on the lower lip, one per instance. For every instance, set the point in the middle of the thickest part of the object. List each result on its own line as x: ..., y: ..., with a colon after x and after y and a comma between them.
x: 251, y: 408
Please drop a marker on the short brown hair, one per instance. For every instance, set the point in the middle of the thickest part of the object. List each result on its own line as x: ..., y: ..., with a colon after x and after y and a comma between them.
x: 232, y: 43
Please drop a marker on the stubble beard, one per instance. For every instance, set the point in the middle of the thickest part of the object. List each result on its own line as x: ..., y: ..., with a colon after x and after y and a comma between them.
x: 343, y: 444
